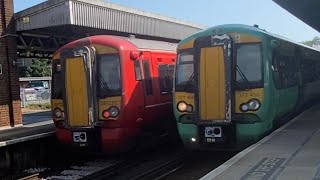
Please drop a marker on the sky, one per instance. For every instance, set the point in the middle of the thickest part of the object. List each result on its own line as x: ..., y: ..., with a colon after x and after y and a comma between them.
x: 265, y: 13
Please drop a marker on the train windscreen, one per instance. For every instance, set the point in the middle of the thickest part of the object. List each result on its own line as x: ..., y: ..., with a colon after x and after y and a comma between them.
x: 184, y: 72
x: 108, y: 75
x: 249, y: 66
x: 57, y: 80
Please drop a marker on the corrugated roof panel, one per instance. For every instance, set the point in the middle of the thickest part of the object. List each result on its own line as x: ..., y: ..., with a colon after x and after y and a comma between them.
x: 122, y: 19
x: 55, y: 15
x: 103, y: 15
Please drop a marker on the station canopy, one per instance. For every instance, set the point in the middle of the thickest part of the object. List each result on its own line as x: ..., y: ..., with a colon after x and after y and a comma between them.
x: 47, y: 26
x: 306, y: 10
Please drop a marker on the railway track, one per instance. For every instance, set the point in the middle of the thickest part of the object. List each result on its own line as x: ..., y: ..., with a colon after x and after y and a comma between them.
x: 162, y: 170
x: 151, y: 167
x: 160, y: 165
x: 111, y: 171
x: 143, y: 165
x: 31, y: 177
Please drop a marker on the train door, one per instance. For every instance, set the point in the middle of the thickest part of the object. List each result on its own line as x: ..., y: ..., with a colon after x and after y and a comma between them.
x: 139, y: 89
x: 148, y: 83
x: 77, y: 67
x: 213, y: 68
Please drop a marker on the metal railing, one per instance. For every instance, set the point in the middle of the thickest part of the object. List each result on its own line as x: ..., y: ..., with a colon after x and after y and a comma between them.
x: 34, y: 96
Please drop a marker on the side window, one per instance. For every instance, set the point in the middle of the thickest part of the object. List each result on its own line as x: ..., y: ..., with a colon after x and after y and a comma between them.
x: 162, y: 71
x: 137, y: 70
x: 276, y: 70
x: 309, y: 71
x: 170, y: 77
x: 285, y: 71
x: 317, y: 71
x: 147, y: 75
x: 165, y: 78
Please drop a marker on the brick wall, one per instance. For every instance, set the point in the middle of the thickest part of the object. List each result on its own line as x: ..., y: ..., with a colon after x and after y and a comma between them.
x: 10, y: 111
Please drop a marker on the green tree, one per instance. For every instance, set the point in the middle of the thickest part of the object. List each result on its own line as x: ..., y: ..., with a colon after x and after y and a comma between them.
x: 39, y: 68
x: 311, y: 42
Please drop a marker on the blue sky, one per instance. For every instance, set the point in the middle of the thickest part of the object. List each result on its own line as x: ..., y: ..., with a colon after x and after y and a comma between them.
x: 267, y: 14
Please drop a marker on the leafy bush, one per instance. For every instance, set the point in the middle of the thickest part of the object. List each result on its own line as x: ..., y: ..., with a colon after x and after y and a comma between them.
x: 43, y: 106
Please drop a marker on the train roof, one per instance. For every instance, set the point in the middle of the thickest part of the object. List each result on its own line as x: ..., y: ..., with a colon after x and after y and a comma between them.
x: 241, y: 28
x: 128, y: 42
x: 144, y: 44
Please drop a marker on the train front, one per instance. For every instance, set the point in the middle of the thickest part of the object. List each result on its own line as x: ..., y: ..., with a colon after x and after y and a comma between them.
x: 219, y: 89
x: 86, y: 94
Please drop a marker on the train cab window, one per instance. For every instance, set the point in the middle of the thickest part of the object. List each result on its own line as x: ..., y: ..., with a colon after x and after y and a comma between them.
x: 185, y: 72
x: 137, y: 70
x: 57, y: 80
x: 249, y: 66
x: 147, y: 76
x: 108, y: 75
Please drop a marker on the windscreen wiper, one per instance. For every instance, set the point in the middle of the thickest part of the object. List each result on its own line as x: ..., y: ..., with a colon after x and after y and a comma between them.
x: 242, y: 75
x: 191, y: 78
x: 103, y: 84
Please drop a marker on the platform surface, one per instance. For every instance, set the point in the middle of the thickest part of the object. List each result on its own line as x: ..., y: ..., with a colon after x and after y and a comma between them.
x: 36, y: 125
x: 32, y: 118
x: 289, y: 153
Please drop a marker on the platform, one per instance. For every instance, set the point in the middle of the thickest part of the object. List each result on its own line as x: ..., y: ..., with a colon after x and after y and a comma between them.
x: 290, y: 152
x: 36, y: 125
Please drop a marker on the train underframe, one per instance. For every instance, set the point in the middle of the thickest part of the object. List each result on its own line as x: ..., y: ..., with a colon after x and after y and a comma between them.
x: 107, y: 140
x: 228, y: 137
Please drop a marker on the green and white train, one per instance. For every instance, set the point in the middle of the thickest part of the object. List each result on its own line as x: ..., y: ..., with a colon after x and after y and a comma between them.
x: 234, y: 82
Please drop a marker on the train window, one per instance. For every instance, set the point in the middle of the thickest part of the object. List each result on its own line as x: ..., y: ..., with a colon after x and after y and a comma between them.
x: 309, y: 71
x: 147, y: 76
x: 185, y: 71
x: 317, y: 71
x: 286, y: 75
x: 276, y: 74
x: 57, y: 80
x: 137, y: 70
x: 108, y: 75
x: 249, y: 66
x: 165, y: 72
x: 170, y: 74
x: 162, y: 71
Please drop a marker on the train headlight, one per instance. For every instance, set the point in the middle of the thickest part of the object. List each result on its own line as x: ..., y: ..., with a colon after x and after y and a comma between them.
x: 184, y: 107
x: 251, y: 105
x: 244, y: 107
x: 254, y: 104
x: 114, y: 111
x: 57, y: 113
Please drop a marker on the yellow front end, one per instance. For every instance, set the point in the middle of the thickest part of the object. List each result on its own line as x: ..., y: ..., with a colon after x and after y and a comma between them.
x: 76, y: 92
x: 212, y: 84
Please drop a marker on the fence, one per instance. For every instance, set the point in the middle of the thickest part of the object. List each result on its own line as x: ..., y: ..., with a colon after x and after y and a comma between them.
x: 33, y: 96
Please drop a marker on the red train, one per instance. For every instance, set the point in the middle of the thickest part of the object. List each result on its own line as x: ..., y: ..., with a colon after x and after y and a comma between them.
x: 108, y: 92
